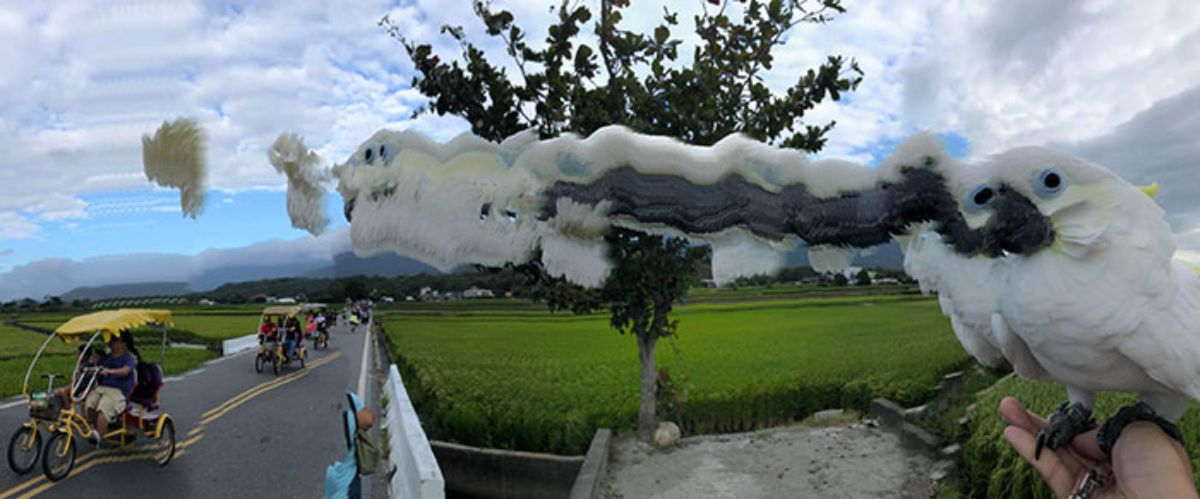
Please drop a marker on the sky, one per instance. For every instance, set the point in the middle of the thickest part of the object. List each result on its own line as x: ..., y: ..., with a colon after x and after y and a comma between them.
x: 1117, y: 83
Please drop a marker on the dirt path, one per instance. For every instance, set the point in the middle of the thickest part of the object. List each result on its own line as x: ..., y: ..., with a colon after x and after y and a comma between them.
x: 856, y: 460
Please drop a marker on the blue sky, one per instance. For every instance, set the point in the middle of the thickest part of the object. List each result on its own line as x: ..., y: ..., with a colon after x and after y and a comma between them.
x: 150, y: 222
x: 83, y: 81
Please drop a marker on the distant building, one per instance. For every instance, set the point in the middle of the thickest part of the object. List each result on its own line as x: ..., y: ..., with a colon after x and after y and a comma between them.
x: 409, y: 298
x: 206, y: 302
x: 387, y: 299
x: 474, y: 292
x: 286, y: 301
x: 886, y: 280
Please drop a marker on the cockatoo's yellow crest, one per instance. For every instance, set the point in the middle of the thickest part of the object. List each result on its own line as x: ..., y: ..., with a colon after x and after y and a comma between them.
x: 1150, y: 190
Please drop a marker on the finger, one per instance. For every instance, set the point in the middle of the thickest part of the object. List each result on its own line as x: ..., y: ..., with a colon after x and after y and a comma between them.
x: 1015, y: 414
x: 1087, y: 446
x: 1058, y: 474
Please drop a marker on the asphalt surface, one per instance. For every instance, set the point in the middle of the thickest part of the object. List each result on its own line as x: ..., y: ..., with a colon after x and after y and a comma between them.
x: 238, y: 433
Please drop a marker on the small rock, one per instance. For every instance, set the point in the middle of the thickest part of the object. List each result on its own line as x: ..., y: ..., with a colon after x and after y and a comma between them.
x: 914, y: 412
x: 951, y: 450
x: 666, y: 435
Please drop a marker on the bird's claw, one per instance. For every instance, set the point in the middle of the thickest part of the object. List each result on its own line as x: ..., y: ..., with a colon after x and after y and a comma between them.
x: 1137, y: 412
x: 1069, y: 420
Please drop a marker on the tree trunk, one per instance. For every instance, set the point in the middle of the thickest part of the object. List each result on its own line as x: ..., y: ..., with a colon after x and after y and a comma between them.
x: 647, y: 419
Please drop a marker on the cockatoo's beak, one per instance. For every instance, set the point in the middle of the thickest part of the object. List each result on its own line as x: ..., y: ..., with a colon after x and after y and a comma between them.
x: 348, y: 208
x: 1018, y: 227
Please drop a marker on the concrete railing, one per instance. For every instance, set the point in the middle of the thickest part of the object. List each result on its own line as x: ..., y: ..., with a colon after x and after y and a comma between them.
x: 239, y: 344
x: 417, y: 473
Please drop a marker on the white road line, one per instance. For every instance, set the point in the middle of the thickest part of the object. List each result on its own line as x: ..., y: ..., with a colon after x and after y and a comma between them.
x: 13, y: 403
x: 224, y: 358
x: 362, y: 372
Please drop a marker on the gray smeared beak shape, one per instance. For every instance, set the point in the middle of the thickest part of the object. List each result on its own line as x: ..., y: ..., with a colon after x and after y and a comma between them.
x: 348, y: 208
x: 1017, y: 226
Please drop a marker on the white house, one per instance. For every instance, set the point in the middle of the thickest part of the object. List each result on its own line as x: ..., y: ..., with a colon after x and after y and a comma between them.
x: 286, y: 301
x: 474, y: 292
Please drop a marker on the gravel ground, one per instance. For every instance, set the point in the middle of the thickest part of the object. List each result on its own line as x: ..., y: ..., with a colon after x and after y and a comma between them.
x: 854, y: 460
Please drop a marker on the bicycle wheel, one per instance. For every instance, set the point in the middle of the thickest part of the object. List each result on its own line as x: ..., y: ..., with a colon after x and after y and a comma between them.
x: 164, y: 445
x: 23, y: 449
x: 58, y: 457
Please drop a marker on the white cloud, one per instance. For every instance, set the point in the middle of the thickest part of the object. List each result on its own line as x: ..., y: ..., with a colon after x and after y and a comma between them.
x: 1160, y: 145
x: 55, y: 276
x: 15, y: 226
x: 76, y: 96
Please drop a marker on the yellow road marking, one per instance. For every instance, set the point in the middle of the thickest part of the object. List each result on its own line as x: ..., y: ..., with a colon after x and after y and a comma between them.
x: 106, y: 456
x: 91, y: 464
x: 190, y: 441
x: 242, y: 398
x: 102, y: 456
x: 255, y: 390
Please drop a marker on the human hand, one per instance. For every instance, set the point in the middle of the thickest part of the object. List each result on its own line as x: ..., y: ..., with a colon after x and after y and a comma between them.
x: 1145, y: 461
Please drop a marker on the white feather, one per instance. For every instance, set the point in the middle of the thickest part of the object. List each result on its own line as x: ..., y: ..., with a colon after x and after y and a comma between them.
x: 174, y: 157
x: 306, y: 191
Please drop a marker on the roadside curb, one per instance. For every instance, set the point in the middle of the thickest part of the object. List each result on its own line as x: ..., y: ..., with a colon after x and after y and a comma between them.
x: 238, y: 345
x: 595, y: 466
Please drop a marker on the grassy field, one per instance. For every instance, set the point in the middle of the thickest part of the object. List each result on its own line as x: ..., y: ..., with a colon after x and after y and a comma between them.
x: 993, y: 469
x: 207, y: 325
x: 19, y: 343
x: 12, y: 369
x: 531, y: 380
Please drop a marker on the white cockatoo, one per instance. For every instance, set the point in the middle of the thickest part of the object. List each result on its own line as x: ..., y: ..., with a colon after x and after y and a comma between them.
x: 1086, y: 289
x: 960, y: 284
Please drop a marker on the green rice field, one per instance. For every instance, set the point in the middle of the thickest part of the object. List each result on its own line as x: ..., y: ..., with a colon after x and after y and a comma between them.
x: 531, y: 380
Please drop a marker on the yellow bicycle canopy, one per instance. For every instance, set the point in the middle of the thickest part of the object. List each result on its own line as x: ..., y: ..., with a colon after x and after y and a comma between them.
x: 286, y: 311
x: 111, y: 322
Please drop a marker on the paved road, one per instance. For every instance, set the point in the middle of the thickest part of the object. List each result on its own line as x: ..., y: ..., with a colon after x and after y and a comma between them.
x: 239, y: 433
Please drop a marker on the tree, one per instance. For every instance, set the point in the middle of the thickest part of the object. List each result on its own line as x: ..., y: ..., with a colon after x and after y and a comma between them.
x: 568, y: 84
x: 355, y: 288
x: 840, y: 280
x: 862, y: 278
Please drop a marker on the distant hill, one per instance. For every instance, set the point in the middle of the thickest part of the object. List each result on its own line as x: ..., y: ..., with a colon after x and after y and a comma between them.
x: 382, y: 265
x: 885, y: 256
x: 344, y: 265
x: 127, y: 291
x: 385, y: 265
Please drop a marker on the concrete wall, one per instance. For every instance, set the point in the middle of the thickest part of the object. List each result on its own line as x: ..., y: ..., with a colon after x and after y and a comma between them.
x: 595, y: 466
x: 496, y: 473
x: 239, y: 344
x: 418, y: 475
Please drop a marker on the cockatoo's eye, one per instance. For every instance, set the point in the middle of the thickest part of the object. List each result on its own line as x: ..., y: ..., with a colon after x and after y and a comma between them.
x: 980, y: 198
x: 1049, y: 183
x: 367, y: 155
x: 382, y: 155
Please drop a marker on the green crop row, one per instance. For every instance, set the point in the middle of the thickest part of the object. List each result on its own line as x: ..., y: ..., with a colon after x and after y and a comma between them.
x: 993, y: 469
x: 544, y: 382
x: 12, y: 370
